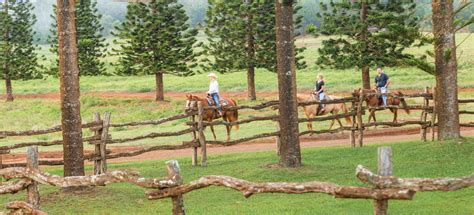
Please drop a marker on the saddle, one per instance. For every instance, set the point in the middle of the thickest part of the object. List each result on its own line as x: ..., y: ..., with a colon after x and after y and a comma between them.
x: 224, y: 102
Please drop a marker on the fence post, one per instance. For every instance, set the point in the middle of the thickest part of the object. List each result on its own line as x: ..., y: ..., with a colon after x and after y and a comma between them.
x: 174, y: 173
x: 433, y: 115
x: 424, y: 115
x: 202, y: 138
x: 277, y: 138
x: 32, y: 189
x: 384, y: 169
x: 359, y: 118
x: 194, y: 156
x: 103, y: 142
x: 353, y: 126
x: 97, y: 133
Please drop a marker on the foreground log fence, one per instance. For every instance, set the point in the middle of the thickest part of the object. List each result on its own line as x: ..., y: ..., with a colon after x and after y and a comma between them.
x: 382, y: 187
x: 195, y: 126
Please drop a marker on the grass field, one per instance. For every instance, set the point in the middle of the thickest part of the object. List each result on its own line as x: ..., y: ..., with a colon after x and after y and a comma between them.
x: 411, y: 159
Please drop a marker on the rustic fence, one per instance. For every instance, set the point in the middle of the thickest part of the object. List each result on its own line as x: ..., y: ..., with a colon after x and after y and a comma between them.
x: 384, y: 186
x: 466, y: 112
x: 102, y: 137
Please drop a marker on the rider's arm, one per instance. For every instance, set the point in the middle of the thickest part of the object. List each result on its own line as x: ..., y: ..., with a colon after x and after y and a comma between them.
x: 388, y: 83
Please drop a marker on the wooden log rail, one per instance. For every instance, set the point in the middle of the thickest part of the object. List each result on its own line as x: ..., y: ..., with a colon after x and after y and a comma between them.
x: 240, y: 122
x: 467, y: 124
x: 149, y: 149
x: 43, y: 143
x: 44, y: 131
x: 396, y: 124
x: 410, y: 107
x: 246, y: 139
x: 466, y: 112
x: 249, y: 107
x: 464, y: 101
x: 151, y: 136
x: 415, y: 95
x: 327, y: 118
x: 330, y: 131
x: 154, y: 122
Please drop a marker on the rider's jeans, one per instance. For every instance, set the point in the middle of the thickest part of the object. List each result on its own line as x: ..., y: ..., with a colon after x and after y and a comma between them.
x: 215, y: 96
x: 384, y: 97
x: 321, y: 97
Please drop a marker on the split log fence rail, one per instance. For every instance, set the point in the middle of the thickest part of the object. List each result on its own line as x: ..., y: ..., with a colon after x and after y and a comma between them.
x: 102, y: 135
x: 384, y: 186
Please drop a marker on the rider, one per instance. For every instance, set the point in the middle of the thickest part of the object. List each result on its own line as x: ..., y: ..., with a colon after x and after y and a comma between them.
x: 319, y: 91
x: 382, y: 82
x: 214, y: 91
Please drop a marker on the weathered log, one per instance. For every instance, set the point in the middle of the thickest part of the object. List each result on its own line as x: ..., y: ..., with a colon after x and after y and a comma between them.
x: 327, y: 118
x: 151, y: 136
x: 330, y: 131
x: 194, y: 158
x: 466, y: 124
x: 154, y: 122
x: 149, y: 149
x: 54, y: 162
x: 433, y: 115
x: 42, y: 143
x: 174, y: 174
x: 201, y: 136
x: 466, y: 112
x: 246, y: 139
x: 410, y: 107
x: 360, y: 123
x: 464, y: 101
x: 20, y: 207
x: 14, y: 186
x: 244, y: 121
x: 333, y: 101
x: 414, y: 95
x: 250, y: 188
x: 255, y: 107
x: 43, y: 131
x: 95, y: 118
x: 103, y: 145
x: 384, y: 155
x: 396, y: 124
x: 416, y: 184
x: 32, y: 189
x: 117, y: 176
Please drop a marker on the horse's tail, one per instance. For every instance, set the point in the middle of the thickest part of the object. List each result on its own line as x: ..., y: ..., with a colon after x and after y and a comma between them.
x: 346, y: 111
x: 404, y: 103
x: 235, y: 115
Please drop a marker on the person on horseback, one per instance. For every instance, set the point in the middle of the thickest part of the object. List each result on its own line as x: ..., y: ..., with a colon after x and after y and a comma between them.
x: 382, y: 82
x: 319, y: 92
x: 214, y: 91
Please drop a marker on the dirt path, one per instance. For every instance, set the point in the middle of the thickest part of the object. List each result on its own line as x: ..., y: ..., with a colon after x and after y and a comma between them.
x: 373, y: 136
x: 151, y: 95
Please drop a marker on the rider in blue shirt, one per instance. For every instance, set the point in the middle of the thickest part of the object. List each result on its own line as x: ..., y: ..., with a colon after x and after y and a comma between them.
x: 382, y: 82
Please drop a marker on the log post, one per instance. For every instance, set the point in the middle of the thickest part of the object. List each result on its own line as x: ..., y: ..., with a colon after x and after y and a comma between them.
x: 194, y: 136
x: 384, y: 169
x: 103, y: 143
x: 433, y: 115
x: 424, y: 115
x: 32, y: 189
x: 277, y: 138
x: 202, y: 138
x: 174, y: 173
x: 353, y: 125
x: 359, y: 118
x: 97, y: 133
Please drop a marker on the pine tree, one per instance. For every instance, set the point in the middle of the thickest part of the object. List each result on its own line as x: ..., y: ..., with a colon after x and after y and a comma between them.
x: 241, y: 35
x: 90, y: 42
x: 18, y: 60
x: 366, y: 34
x: 156, y: 39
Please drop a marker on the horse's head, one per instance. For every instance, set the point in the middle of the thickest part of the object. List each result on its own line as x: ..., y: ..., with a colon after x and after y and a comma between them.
x: 191, y: 102
x: 356, y: 92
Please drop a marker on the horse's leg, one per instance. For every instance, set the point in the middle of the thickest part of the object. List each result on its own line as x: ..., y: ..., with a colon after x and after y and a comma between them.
x: 213, y: 133
x: 228, y: 132
x: 395, y: 115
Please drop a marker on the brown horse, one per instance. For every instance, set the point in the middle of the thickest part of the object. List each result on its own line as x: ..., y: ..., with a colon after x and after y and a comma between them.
x: 375, y: 101
x: 312, y: 110
x: 211, y: 114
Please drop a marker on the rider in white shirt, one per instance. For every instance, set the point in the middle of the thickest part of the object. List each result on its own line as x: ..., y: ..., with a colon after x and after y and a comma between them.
x: 214, y: 91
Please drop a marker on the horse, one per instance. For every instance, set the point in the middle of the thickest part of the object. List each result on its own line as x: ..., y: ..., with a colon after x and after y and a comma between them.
x: 375, y: 101
x: 211, y: 114
x: 312, y: 110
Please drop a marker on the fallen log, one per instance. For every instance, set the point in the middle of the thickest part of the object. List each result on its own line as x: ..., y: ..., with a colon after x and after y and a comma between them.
x: 416, y: 184
x: 250, y: 188
x: 21, y: 207
x: 117, y: 176
x: 14, y: 186
x: 246, y: 139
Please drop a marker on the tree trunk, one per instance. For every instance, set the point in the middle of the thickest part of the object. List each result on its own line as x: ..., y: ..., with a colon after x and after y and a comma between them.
x: 365, y: 77
x: 446, y: 70
x: 70, y: 92
x: 251, y: 55
x: 159, y: 87
x: 363, y: 38
x: 8, y: 84
x: 290, y: 154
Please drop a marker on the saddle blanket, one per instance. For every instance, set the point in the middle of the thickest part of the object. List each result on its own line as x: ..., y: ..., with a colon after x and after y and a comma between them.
x: 224, y: 102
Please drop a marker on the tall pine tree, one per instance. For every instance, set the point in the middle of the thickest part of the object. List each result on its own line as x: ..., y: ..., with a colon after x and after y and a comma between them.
x: 18, y: 59
x: 90, y: 42
x: 366, y: 34
x: 241, y: 35
x: 156, y: 39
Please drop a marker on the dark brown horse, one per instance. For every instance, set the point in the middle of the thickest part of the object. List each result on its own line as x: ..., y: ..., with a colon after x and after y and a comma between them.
x: 376, y: 101
x: 211, y: 114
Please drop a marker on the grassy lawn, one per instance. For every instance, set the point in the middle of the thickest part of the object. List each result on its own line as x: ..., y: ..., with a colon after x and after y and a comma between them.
x: 411, y: 159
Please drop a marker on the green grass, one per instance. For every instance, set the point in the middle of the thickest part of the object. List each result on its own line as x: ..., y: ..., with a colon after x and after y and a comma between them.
x: 337, y: 80
x: 410, y: 159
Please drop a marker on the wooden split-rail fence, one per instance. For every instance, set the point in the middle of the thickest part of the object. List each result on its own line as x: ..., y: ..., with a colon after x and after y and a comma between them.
x: 382, y: 186
x: 102, y: 138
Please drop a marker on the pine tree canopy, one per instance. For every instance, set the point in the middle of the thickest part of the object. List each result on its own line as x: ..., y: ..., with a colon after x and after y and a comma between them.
x: 390, y: 28
x: 18, y: 59
x: 156, y: 38
x: 90, y: 43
